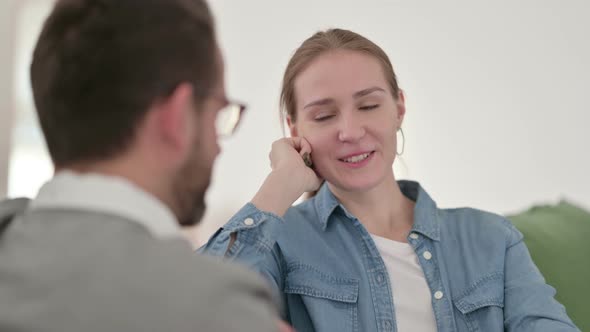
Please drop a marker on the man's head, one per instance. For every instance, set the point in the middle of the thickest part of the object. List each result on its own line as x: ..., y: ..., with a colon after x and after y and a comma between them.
x: 132, y: 88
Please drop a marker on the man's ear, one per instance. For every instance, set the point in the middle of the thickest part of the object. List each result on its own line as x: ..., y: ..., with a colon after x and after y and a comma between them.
x: 176, y: 117
x: 292, y: 127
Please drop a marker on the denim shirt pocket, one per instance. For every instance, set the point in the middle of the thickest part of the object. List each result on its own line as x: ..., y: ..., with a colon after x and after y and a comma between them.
x: 329, y: 301
x: 481, y: 305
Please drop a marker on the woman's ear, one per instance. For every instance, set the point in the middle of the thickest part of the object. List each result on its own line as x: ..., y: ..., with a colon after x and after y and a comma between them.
x: 292, y: 127
x: 401, y: 106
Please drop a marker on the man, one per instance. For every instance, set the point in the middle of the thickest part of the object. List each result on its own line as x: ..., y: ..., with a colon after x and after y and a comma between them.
x: 130, y: 97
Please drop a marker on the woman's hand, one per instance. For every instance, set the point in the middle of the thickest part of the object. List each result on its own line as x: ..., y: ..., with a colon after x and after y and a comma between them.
x: 290, y: 176
x: 288, y: 158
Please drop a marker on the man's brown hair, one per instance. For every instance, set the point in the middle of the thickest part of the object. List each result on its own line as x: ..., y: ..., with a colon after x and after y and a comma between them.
x: 99, y: 65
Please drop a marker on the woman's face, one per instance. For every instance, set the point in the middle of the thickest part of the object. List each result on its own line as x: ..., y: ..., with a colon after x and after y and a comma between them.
x: 346, y: 111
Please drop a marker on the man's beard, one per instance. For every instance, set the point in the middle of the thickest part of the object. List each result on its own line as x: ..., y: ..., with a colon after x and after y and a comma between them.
x: 190, y: 187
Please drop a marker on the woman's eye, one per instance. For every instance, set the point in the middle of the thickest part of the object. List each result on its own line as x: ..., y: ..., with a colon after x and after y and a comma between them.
x: 368, y: 107
x: 323, y: 117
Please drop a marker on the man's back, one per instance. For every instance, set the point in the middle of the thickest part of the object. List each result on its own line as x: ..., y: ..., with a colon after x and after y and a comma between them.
x: 73, y: 270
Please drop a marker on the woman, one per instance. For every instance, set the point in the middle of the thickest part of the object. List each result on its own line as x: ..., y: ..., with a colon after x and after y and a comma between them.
x: 369, y: 253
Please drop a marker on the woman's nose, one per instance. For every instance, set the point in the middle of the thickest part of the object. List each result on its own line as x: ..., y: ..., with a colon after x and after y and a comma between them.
x: 351, y: 129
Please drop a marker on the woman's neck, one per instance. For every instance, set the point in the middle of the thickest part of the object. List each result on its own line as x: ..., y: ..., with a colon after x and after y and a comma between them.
x: 383, y: 210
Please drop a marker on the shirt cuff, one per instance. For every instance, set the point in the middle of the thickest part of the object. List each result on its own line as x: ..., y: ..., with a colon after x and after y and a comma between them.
x: 249, y: 217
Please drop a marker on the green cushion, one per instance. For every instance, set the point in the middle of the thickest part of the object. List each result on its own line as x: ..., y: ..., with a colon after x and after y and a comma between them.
x: 558, y: 238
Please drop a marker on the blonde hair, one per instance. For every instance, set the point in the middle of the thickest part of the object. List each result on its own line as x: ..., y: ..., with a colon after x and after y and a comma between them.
x: 320, y: 43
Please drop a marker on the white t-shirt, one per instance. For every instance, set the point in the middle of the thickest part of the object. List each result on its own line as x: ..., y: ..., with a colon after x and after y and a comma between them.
x: 412, y: 298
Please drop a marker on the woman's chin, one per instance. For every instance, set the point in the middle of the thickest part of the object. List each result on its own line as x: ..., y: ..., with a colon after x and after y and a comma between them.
x: 355, y: 185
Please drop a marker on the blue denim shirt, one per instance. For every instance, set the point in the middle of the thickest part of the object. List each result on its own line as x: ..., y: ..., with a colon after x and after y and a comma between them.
x: 330, y: 276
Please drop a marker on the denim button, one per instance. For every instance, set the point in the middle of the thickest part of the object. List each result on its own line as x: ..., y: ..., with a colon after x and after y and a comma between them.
x: 248, y: 221
x: 427, y: 255
x: 438, y: 295
x: 414, y: 236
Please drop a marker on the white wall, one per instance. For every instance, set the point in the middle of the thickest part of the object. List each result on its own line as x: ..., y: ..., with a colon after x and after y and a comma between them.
x: 6, y: 91
x: 497, y: 102
x: 496, y: 93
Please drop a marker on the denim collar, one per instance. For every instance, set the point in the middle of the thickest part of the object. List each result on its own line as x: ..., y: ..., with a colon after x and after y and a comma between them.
x: 425, y: 210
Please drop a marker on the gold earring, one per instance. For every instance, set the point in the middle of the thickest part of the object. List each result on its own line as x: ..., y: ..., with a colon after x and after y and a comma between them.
x: 403, y: 142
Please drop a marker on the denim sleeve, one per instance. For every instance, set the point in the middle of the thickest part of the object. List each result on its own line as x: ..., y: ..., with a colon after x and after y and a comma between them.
x: 529, y: 303
x: 255, y: 245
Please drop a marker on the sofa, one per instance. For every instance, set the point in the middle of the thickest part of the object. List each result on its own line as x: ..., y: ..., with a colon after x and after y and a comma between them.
x: 558, y: 238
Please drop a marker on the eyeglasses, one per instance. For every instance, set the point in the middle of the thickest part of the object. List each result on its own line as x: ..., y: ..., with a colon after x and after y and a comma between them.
x: 228, y: 118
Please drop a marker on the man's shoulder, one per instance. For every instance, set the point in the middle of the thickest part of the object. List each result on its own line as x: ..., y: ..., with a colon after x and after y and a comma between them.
x: 219, y: 295
x: 9, y: 208
x: 95, y: 241
x: 220, y: 275
x: 129, y: 268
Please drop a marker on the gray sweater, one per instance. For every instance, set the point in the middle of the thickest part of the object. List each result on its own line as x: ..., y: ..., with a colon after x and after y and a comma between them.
x: 67, y: 270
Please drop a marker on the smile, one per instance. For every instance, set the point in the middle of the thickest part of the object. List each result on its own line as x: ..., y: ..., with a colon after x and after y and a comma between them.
x: 357, y: 158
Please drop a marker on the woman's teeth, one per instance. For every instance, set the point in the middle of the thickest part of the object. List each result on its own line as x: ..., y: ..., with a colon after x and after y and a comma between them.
x: 356, y: 159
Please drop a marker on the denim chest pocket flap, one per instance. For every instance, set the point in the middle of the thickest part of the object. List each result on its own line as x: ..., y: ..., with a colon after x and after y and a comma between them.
x: 306, y: 280
x: 487, y: 291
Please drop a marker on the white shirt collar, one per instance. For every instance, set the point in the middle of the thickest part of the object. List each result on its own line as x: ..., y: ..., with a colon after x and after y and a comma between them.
x: 110, y: 194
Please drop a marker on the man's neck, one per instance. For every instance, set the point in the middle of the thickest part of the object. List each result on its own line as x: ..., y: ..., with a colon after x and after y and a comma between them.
x: 107, y: 194
x: 139, y: 175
